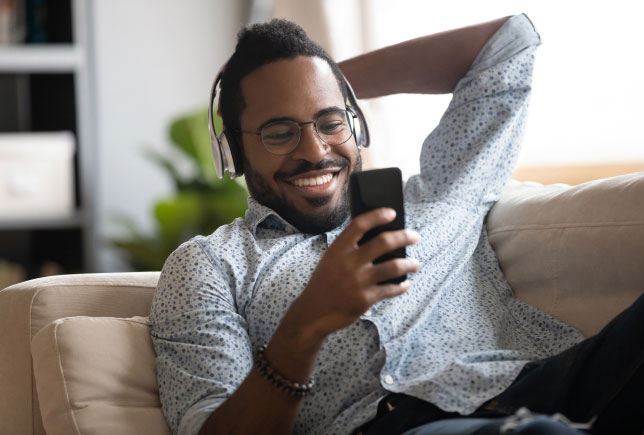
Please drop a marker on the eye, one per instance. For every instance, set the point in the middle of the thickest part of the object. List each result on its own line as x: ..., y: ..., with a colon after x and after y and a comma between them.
x: 331, y: 127
x: 278, y: 133
x: 332, y: 123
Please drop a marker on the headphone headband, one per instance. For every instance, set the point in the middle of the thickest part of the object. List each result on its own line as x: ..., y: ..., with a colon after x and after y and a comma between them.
x: 227, y: 152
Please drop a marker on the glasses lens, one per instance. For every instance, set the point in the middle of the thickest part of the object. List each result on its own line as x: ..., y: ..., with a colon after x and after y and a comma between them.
x: 281, y: 137
x: 334, y: 128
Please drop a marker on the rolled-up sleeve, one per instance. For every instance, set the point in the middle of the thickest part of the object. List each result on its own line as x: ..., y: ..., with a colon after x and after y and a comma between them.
x: 202, y: 345
x: 470, y: 155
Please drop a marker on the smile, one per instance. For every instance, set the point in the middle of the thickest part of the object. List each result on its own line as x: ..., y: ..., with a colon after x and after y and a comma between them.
x: 313, y: 181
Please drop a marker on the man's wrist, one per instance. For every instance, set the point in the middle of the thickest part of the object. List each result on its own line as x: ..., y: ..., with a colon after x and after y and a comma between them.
x: 294, y: 348
x: 298, y: 334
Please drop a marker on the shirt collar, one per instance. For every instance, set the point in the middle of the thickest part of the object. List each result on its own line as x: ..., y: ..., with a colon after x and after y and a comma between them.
x: 258, y: 215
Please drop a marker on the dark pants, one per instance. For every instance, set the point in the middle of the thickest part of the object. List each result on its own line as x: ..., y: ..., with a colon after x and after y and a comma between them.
x: 603, y: 377
x: 538, y: 425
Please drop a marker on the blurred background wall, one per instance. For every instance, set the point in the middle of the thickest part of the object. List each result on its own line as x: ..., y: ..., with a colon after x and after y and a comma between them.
x: 153, y: 61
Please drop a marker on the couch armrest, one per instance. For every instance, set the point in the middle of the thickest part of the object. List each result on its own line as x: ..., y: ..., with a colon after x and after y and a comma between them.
x: 574, y: 252
x: 26, y: 307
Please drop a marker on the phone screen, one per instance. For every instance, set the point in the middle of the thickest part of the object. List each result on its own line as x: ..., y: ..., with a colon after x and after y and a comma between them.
x: 379, y: 188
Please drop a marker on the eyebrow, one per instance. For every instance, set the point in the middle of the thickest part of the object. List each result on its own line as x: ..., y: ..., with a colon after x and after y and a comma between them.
x: 315, y: 116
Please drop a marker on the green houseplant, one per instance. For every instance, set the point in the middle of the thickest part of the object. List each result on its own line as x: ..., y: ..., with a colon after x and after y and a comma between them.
x: 199, y: 205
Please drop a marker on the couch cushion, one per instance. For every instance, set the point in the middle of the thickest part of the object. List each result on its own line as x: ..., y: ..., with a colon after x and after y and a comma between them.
x: 26, y: 307
x: 30, y: 305
x: 574, y: 252
x: 97, y: 375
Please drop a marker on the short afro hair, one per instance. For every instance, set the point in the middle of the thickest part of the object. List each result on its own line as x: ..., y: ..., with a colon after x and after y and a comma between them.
x: 258, y: 45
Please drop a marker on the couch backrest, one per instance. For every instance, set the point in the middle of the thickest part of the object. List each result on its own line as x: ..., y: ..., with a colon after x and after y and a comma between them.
x: 25, y: 308
x: 575, y: 252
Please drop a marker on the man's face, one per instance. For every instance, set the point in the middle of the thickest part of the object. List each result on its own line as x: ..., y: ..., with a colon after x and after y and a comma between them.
x: 308, y: 186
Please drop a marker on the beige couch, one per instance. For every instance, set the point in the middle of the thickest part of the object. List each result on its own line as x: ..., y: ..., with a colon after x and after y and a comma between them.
x: 575, y: 252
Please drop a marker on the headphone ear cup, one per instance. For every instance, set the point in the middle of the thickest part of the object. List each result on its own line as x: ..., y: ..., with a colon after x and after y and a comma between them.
x: 362, y: 140
x: 226, y: 152
x: 233, y: 149
x: 357, y: 133
x: 361, y: 131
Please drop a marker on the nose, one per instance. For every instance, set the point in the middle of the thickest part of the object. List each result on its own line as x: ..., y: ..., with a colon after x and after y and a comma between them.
x: 311, y: 148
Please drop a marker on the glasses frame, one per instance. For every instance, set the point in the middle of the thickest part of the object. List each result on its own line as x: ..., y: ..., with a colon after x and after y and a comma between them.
x: 349, y: 113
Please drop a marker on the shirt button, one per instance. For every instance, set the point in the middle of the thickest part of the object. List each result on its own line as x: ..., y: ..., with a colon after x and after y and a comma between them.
x: 389, y: 380
x: 367, y: 313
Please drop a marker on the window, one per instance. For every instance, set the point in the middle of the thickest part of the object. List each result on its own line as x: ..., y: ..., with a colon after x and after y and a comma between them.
x: 587, y: 91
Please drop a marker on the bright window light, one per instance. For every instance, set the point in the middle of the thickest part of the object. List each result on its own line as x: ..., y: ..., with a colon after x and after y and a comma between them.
x: 588, y: 85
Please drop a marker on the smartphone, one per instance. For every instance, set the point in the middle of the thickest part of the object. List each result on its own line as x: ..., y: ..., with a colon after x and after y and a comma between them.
x: 374, y: 189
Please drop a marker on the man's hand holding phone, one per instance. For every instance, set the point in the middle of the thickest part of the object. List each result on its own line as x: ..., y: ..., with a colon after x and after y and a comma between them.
x: 356, y: 272
x: 346, y: 281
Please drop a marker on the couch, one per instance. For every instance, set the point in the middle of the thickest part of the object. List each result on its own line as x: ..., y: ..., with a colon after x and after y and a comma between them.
x: 76, y: 357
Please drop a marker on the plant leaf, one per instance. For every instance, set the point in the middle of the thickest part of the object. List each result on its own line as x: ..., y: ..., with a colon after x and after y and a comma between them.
x: 200, y: 205
x: 166, y: 164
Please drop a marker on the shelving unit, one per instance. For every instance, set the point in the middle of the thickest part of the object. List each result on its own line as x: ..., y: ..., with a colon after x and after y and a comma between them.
x: 51, y: 85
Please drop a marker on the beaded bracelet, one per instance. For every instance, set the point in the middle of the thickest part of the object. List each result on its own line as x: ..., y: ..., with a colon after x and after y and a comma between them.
x: 277, y: 380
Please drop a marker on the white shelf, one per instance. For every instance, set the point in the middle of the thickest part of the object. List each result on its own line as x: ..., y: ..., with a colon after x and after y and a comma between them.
x: 40, y: 58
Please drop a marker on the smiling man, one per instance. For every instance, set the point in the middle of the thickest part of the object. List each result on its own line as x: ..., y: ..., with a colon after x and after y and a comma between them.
x: 277, y: 323
x: 306, y: 183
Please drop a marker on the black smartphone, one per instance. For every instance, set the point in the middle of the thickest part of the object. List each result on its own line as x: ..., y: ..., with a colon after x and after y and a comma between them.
x: 379, y: 188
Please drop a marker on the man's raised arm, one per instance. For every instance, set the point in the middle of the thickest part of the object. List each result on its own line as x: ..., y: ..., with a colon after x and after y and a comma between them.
x: 430, y: 64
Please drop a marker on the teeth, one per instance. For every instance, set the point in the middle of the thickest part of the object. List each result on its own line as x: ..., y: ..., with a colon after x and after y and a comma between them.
x: 316, y: 181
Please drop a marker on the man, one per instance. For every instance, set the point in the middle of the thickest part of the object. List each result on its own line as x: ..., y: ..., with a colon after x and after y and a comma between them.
x: 451, y: 341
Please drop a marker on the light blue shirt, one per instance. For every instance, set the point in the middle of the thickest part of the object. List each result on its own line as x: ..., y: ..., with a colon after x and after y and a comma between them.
x: 457, y: 338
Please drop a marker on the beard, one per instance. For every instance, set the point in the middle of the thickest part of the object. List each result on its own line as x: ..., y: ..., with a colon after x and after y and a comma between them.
x: 310, y: 223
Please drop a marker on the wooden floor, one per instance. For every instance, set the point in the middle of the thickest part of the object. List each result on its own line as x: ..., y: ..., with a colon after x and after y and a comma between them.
x: 574, y: 174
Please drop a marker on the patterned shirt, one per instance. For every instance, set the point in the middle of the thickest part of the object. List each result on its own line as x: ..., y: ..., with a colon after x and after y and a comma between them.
x: 457, y: 338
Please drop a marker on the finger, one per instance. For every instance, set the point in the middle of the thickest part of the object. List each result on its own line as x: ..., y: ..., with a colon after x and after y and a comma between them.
x: 392, y: 269
x: 365, y: 222
x: 388, y: 291
x: 386, y: 242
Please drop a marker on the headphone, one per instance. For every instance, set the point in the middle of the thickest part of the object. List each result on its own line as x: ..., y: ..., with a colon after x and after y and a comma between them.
x: 227, y: 152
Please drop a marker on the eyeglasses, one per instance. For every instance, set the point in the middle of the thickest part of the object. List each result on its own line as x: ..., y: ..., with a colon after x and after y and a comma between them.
x: 281, y: 137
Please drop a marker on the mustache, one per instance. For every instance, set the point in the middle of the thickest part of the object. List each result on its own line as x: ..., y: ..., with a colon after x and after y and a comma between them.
x: 305, y: 167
